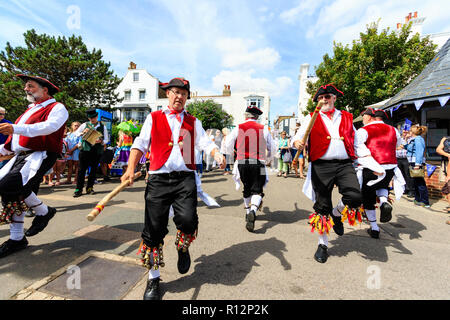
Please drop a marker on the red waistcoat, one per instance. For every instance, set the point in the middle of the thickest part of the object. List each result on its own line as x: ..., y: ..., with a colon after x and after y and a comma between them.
x: 382, y: 142
x: 52, y: 142
x: 162, y: 143
x: 250, y: 142
x: 319, y: 138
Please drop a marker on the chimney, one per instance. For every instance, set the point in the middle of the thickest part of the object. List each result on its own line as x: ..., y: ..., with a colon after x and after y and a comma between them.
x: 132, y: 66
x: 415, y: 14
x: 226, y: 90
x: 399, y: 25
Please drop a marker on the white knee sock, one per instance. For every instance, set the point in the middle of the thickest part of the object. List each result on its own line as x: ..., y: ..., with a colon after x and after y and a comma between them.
x: 372, y: 216
x: 323, y: 239
x: 383, y: 195
x: 16, y: 229
x: 247, y: 202
x: 38, y: 206
x: 256, y: 201
x: 338, y: 209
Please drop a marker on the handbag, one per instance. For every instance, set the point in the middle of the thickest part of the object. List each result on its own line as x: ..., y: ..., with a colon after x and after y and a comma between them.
x: 417, y: 173
x: 287, y: 157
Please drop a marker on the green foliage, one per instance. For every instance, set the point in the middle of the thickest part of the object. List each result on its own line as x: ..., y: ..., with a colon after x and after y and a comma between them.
x: 210, y: 114
x: 85, y: 80
x: 376, y: 67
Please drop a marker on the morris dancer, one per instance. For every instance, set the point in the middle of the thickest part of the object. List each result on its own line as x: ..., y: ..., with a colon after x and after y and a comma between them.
x: 35, y: 140
x: 375, y: 146
x: 331, y: 150
x: 252, y: 141
x: 171, y: 134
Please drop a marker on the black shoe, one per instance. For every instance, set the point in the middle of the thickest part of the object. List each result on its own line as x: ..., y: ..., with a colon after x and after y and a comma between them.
x: 250, y: 218
x: 411, y: 195
x: 184, y: 261
x: 386, y: 212
x: 40, y: 222
x: 373, y: 233
x: 77, y: 193
x: 152, y: 292
x: 338, y: 225
x: 321, y: 254
x: 106, y: 179
x: 11, y: 246
x: 90, y: 190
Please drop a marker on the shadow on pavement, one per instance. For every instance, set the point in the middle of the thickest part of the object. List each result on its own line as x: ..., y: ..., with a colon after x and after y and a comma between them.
x: 376, y: 249
x: 273, y: 218
x: 228, y: 267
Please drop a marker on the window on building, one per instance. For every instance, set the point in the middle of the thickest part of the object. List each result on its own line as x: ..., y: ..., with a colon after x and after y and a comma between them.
x: 159, y: 108
x: 141, y: 94
x: 127, y: 96
x: 254, y: 102
x: 127, y: 115
x: 141, y: 117
x: 136, y: 76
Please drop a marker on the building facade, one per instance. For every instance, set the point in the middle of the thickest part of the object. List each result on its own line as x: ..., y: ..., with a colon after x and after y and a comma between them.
x: 141, y: 95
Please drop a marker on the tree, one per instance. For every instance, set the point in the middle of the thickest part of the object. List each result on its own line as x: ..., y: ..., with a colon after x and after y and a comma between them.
x: 84, y: 78
x: 210, y: 114
x: 375, y: 68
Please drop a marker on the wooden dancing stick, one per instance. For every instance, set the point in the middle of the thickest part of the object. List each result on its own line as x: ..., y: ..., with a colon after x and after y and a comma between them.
x: 99, y: 207
x: 308, y: 129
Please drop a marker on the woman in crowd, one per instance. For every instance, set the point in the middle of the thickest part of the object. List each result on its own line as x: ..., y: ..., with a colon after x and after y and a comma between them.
x: 444, y: 150
x: 283, y: 148
x: 223, y: 150
x: 416, y: 157
x: 124, y: 144
x: 73, y: 151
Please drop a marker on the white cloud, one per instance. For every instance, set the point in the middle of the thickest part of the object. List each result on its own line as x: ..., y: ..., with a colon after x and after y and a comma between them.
x: 304, y: 8
x: 244, y: 81
x: 236, y: 53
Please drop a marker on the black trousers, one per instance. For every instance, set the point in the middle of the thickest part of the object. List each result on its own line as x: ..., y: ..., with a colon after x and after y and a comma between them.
x: 369, y: 193
x: 177, y: 189
x: 403, y: 165
x: 11, y: 187
x: 253, y: 177
x: 87, y: 159
x: 325, y: 174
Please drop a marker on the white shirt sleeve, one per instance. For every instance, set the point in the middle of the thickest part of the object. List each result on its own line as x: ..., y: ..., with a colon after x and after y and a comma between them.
x: 361, y: 149
x: 202, y: 141
x: 301, y: 131
x: 142, y: 142
x: 269, y: 143
x: 231, y: 140
x: 56, y: 119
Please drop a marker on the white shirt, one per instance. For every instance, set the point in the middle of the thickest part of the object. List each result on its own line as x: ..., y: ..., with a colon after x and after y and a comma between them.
x: 80, y: 130
x: 175, y: 162
x: 231, y: 138
x: 56, y: 118
x: 361, y: 149
x: 336, y: 149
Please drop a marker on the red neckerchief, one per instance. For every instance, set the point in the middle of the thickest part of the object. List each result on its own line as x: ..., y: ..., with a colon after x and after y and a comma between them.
x: 329, y: 113
x: 177, y: 113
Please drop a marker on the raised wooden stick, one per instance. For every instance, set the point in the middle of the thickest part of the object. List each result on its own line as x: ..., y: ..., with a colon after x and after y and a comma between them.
x: 99, y: 207
x: 308, y: 129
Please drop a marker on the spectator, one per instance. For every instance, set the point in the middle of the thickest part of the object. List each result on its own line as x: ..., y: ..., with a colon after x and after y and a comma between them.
x: 299, y: 165
x: 60, y: 164
x: 105, y: 161
x: 223, y: 150
x: 403, y: 163
x: 415, y: 154
x: 209, y: 158
x: 2, y: 136
x: 73, y: 152
x: 124, y: 144
x: 444, y: 150
x: 283, y: 148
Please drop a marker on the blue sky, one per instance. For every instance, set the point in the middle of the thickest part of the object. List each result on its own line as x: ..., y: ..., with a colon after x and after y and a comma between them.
x: 254, y: 44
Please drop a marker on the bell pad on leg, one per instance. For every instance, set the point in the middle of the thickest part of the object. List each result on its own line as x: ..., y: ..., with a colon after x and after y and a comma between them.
x: 183, y: 241
x: 152, y: 257
x: 11, y: 208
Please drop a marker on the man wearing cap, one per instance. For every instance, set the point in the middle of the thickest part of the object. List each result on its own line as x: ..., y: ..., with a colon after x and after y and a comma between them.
x: 331, y: 150
x: 90, y: 154
x: 252, y: 141
x: 34, y: 142
x: 375, y: 147
x: 171, y: 135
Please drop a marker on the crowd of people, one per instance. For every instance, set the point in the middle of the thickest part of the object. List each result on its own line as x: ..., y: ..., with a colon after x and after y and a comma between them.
x: 364, y: 164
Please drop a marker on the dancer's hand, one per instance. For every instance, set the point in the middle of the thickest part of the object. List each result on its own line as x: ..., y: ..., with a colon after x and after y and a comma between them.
x: 128, y: 176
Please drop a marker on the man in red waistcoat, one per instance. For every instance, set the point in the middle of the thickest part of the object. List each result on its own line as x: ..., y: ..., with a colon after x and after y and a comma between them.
x: 331, y: 151
x: 252, y: 141
x: 35, y: 140
x: 375, y: 146
x: 171, y: 134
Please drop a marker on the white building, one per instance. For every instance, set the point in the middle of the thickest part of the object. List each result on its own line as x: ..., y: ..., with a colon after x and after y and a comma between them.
x: 142, y: 95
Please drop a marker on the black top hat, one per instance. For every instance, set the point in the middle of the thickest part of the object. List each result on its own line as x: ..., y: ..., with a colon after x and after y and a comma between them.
x: 369, y: 112
x: 91, y: 113
x: 52, y: 89
x: 329, y: 88
x: 254, y: 110
x: 176, y: 82
x: 379, y: 113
